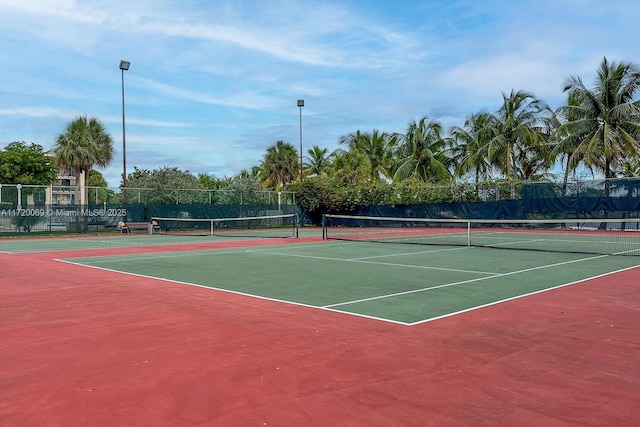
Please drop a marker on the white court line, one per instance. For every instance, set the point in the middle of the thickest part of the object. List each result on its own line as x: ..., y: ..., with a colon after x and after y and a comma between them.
x: 299, y: 304
x: 462, y: 282
x: 302, y: 245
x: 457, y: 270
x: 391, y: 264
x: 156, y: 255
x: 208, y: 252
x: 189, y: 253
x: 627, y: 251
x: 330, y: 309
x: 477, y: 307
x: 517, y: 242
x: 493, y: 235
x: 408, y: 253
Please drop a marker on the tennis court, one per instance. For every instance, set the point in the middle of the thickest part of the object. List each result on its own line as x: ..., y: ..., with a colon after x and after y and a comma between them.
x: 406, y: 323
x: 406, y: 284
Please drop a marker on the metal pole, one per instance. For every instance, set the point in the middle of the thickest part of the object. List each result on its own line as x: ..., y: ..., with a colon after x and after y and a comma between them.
x: 19, y: 201
x: 124, y: 66
x: 300, y: 143
x: 300, y: 105
x: 124, y: 148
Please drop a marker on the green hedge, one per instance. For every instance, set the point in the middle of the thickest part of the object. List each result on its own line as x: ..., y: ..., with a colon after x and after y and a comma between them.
x: 321, y: 195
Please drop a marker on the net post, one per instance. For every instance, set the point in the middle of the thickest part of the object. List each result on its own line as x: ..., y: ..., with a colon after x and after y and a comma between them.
x: 296, y: 225
x: 324, y: 229
x: 468, y: 233
x: 212, y: 227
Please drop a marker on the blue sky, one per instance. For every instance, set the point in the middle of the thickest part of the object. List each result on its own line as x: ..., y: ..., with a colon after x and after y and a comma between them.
x: 213, y: 83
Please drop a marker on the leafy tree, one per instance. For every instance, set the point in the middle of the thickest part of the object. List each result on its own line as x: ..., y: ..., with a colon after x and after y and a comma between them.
x: 319, y: 195
x: 138, y: 175
x: 209, y: 181
x: 603, y: 124
x: 244, y: 189
x: 280, y: 165
x: 421, y: 153
x: 99, y: 193
x: 26, y: 165
x: 96, y: 179
x: 168, y: 185
x: 212, y: 183
x: 84, y: 144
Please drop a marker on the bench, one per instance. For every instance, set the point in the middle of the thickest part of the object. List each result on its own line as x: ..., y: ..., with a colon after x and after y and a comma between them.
x: 126, y: 227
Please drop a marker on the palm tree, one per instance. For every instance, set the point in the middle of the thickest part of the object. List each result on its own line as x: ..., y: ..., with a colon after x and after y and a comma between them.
x: 517, y: 136
x: 352, y: 140
x: 280, y: 165
x: 421, y: 153
x: 376, y: 146
x: 318, y: 162
x: 84, y: 144
x: 565, y: 142
x: 631, y: 168
x: 351, y: 167
x: 466, y: 147
x: 602, y: 125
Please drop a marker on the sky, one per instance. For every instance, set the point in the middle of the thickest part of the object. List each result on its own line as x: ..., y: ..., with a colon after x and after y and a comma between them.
x: 213, y: 83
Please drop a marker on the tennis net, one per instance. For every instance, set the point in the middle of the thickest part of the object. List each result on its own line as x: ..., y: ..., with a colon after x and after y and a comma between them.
x: 249, y: 227
x: 589, y: 236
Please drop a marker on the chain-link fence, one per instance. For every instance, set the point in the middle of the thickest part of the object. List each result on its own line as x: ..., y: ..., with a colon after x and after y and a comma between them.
x: 56, y: 208
x: 60, y: 195
x: 68, y: 209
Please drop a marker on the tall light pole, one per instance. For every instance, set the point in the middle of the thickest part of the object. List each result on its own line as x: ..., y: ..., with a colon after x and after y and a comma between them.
x: 124, y: 66
x: 300, y: 105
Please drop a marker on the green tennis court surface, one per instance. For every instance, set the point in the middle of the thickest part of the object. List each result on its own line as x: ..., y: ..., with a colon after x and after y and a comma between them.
x: 407, y: 284
x: 21, y: 245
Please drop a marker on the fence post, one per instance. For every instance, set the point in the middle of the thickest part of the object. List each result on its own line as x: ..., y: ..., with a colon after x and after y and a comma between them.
x: 19, y: 201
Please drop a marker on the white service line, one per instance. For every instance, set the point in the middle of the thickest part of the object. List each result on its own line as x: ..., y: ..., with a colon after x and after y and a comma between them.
x: 357, y: 260
x: 410, y: 253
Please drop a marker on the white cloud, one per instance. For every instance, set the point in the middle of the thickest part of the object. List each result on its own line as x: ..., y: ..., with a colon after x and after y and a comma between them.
x: 68, y: 115
x: 246, y: 99
x: 62, y: 9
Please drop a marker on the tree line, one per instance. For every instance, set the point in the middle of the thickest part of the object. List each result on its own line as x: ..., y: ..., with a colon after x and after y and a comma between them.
x: 598, y: 129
